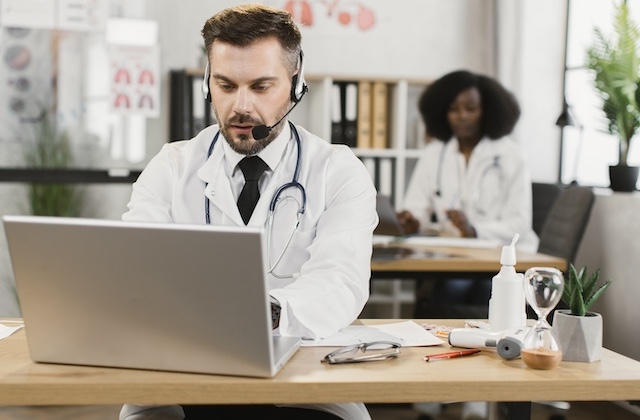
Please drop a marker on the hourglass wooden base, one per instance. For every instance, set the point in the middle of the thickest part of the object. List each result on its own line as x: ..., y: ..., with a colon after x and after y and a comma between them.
x: 541, y: 358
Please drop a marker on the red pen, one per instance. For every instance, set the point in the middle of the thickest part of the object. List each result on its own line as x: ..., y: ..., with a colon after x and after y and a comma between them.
x: 450, y: 355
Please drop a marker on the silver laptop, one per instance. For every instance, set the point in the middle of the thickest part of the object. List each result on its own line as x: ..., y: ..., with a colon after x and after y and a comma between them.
x: 189, y: 298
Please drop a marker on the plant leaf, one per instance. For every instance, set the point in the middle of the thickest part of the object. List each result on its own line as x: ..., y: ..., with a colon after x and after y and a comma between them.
x: 590, y: 284
x: 577, y: 302
x: 568, y: 285
x: 596, y: 295
x: 616, y: 65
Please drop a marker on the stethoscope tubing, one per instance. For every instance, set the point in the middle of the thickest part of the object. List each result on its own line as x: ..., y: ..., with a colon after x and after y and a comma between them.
x: 495, y: 163
x: 294, y: 183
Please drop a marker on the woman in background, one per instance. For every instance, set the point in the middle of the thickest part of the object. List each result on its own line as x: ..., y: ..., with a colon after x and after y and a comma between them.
x: 471, y: 181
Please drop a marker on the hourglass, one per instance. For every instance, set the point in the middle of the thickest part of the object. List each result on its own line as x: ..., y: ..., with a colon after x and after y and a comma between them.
x: 543, y: 288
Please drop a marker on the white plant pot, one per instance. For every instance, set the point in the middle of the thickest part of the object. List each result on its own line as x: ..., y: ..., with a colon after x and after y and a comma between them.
x: 580, y: 336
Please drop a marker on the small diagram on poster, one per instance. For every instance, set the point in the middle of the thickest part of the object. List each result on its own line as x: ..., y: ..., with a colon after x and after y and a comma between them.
x: 135, y: 81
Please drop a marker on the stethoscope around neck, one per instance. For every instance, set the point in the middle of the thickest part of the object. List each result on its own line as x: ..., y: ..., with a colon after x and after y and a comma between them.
x: 272, y: 206
x: 494, y: 165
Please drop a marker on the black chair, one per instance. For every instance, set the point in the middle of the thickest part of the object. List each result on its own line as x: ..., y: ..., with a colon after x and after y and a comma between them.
x: 566, y: 222
x: 543, y: 197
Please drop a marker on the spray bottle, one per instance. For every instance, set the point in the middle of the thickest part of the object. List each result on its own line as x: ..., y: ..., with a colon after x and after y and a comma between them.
x: 507, y: 304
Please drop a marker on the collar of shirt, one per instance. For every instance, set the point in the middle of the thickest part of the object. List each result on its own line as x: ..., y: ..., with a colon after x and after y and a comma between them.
x: 455, y: 145
x: 271, y: 155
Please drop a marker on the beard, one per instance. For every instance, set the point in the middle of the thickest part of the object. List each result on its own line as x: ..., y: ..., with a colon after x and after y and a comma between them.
x: 246, y: 144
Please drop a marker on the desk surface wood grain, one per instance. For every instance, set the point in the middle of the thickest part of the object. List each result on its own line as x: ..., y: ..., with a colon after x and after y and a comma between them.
x: 481, y: 377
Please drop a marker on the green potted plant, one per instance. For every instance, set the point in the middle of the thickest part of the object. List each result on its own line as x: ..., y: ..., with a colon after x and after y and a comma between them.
x: 615, y: 63
x: 48, y: 147
x: 578, y: 329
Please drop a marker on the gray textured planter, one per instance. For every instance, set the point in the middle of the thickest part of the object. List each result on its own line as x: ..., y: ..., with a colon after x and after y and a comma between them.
x: 580, y: 336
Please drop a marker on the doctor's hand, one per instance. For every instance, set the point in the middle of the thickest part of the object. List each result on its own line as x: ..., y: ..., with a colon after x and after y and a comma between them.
x: 459, y: 220
x: 408, y: 221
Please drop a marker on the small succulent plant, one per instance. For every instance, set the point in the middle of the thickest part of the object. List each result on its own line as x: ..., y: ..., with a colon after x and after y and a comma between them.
x: 580, y: 291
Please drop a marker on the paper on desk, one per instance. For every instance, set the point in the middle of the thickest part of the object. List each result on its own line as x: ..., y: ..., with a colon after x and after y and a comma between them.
x: 385, y: 239
x: 6, y: 331
x: 407, y: 333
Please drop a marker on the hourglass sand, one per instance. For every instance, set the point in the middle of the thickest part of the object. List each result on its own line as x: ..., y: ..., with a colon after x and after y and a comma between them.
x: 543, y: 288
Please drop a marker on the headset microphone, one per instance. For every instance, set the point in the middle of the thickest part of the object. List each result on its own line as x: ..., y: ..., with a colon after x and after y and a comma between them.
x: 261, y: 131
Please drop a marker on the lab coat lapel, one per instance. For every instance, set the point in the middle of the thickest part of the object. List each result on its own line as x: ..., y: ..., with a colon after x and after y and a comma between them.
x: 218, y: 189
x: 221, y: 196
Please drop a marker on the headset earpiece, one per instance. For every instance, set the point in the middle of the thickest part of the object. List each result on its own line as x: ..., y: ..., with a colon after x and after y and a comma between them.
x: 298, y: 84
x: 205, y: 84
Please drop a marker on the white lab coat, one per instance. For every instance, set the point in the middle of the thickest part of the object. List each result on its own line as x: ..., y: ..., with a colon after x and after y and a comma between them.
x: 493, y: 189
x: 327, y: 262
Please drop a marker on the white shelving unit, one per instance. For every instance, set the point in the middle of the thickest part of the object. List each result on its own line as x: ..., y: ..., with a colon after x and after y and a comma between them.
x: 404, y: 127
x: 405, y: 139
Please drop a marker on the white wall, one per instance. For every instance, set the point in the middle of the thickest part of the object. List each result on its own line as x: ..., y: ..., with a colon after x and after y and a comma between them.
x: 532, y: 65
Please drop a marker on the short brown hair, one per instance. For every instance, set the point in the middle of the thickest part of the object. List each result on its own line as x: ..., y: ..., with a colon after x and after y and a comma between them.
x: 242, y: 25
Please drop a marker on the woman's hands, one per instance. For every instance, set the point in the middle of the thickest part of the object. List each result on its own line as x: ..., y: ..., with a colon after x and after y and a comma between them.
x: 408, y: 221
x: 459, y: 219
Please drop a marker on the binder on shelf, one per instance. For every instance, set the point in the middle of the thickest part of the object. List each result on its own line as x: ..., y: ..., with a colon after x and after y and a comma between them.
x: 336, y: 114
x: 363, y: 139
x: 379, y: 115
x: 181, y: 119
x: 350, y: 114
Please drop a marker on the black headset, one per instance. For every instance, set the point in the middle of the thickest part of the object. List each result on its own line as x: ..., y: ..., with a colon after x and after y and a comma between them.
x: 298, y: 84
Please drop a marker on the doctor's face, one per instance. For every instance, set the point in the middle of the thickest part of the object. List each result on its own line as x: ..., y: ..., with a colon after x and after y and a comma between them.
x: 249, y: 86
x: 465, y: 115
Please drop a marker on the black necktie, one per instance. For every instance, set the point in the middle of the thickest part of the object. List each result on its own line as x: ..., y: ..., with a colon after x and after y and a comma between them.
x: 252, y: 169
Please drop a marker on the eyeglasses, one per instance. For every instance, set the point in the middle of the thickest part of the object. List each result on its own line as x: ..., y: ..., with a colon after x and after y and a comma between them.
x: 371, y: 352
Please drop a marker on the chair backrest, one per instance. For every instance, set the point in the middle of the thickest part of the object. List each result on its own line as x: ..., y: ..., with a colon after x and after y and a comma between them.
x: 565, y: 225
x: 543, y: 197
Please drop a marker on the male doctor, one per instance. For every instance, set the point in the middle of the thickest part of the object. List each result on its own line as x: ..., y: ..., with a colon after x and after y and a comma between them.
x: 315, y: 199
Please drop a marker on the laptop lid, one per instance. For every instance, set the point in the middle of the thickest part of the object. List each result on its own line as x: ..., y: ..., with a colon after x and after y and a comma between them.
x: 389, y: 223
x: 173, y: 297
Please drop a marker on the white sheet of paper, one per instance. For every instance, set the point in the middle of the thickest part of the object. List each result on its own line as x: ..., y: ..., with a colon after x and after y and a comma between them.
x: 6, y: 331
x: 407, y: 333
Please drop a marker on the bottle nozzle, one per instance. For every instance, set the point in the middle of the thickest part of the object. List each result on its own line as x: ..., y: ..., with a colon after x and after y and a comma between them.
x: 508, y: 256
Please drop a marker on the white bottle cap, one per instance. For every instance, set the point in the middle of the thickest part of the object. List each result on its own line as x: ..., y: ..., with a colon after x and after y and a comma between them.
x: 508, y: 256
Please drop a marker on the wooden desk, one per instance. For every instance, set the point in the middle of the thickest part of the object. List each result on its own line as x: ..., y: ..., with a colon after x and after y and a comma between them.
x: 483, y: 377
x: 452, y: 260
